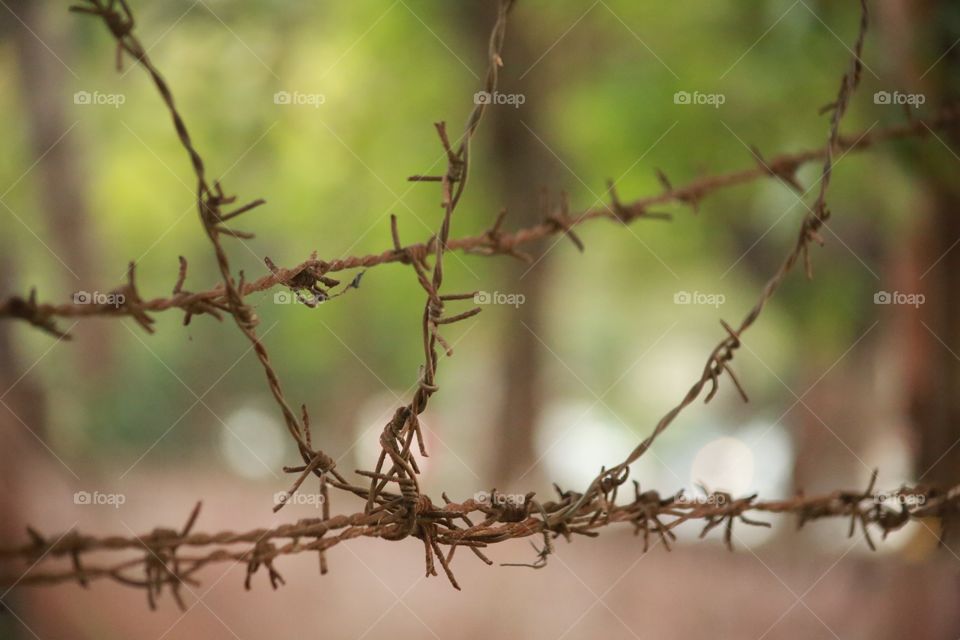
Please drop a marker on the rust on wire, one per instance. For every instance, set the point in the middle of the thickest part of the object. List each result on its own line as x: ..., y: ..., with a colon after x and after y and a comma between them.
x: 211, y: 200
x: 395, y: 508
x: 882, y: 511
x: 719, y: 359
x: 496, y: 241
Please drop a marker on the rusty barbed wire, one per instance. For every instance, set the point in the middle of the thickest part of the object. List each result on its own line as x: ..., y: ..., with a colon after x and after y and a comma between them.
x: 119, y: 20
x: 171, y: 558
x: 166, y: 559
x: 720, y: 358
x: 399, y: 433
x: 493, y: 242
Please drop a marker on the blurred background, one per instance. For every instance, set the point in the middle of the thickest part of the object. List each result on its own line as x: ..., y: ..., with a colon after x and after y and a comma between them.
x: 544, y: 391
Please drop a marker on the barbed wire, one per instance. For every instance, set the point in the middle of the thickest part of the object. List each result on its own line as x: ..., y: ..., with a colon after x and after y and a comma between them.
x: 118, y: 18
x: 172, y: 557
x: 395, y: 507
x: 722, y: 355
x: 310, y: 273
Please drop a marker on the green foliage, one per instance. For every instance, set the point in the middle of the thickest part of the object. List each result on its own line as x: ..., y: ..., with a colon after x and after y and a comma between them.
x: 333, y: 174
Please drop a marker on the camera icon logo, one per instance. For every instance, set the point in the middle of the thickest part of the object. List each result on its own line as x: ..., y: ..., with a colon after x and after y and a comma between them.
x: 82, y: 97
x: 282, y: 97
x: 682, y: 297
x: 82, y: 497
x: 682, y: 97
x: 482, y: 297
x: 482, y: 97
x: 882, y: 297
x: 82, y: 297
x: 283, y: 297
x: 882, y: 97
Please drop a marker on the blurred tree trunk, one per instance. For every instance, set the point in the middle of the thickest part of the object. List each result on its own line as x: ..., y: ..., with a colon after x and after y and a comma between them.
x: 916, y: 35
x: 920, y: 33
x: 61, y: 195
x: 521, y: 394
x: 61, y: 192
x: 23, y: 403
x: 522, y: 169
x: 928, y: 339
x: 22, y: 408
x: 937, y: 406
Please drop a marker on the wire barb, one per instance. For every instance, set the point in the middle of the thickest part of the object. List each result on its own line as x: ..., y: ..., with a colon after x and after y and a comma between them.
x: 395, y: 506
